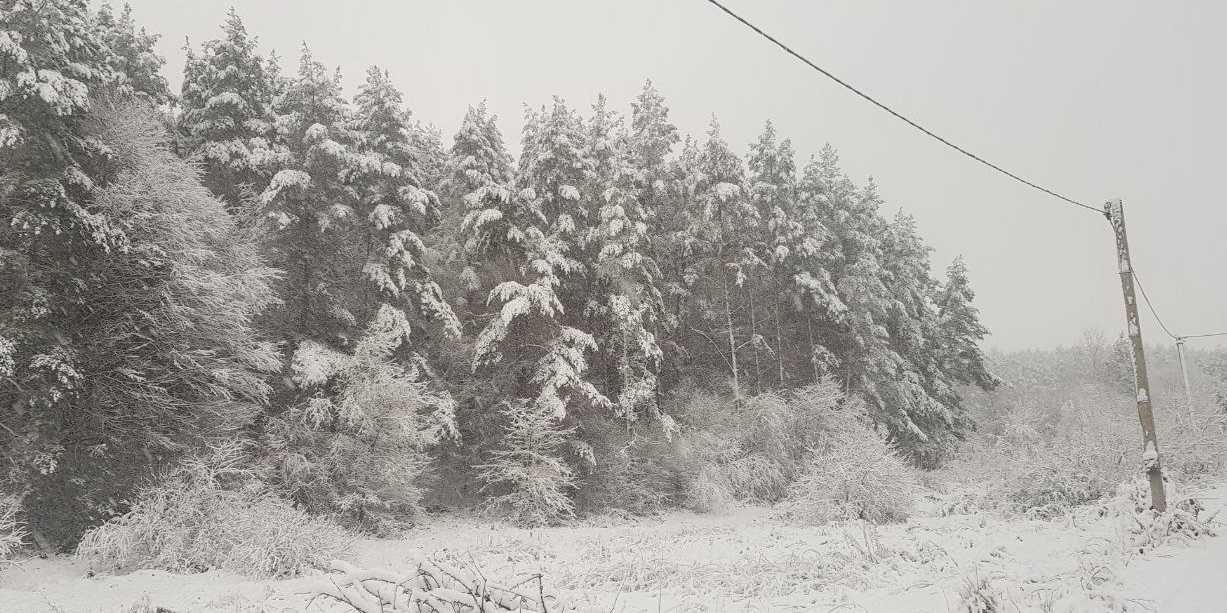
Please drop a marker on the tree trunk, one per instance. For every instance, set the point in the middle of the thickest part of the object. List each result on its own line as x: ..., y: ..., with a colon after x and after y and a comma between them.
x: 304, y: 296
x: 779, y: 338
x: 728, y: 317
x: 809, y: 324
x: 758, y: 387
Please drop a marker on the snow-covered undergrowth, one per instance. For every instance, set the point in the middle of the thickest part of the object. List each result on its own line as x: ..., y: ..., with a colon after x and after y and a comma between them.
x: 1185, y: 520
x: 210, y: 514
x: 1032, y: 464
x: 743, y: 559
x: 12, y: 532
x: 855, y: 475
x: 813, y: 449
x: 1063, y: 431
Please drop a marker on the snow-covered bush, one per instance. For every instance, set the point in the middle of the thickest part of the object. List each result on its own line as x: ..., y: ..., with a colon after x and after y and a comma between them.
x: 12, y: 531
x: 1052, y: 487
x: 525, y: 477
x: 359, y: 442
x: 640, y: 470
x: 852, y: 474
x: 728, y: 468
x: 753, y: 450
x: 769, y: 431
x: 1192, y: 443
x: 708, y: 491
x: 1064, y: 430
x: 210, y: 512
x: 1184, y: 520
x: 1041, y: 472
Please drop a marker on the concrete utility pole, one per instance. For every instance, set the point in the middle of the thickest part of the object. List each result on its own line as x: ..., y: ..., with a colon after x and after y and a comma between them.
x: 1115, y: 213
x: 1184, y: 374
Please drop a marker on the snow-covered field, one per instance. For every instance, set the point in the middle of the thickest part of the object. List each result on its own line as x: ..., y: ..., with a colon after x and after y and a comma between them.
x: 744, y: 559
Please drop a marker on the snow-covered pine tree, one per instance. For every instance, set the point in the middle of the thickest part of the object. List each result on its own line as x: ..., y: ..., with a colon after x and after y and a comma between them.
x: 855, y: 333
x: 551, y: 173
x: 426, y: 141
x: 226, y: 120
x: 917, y: 387
x: 533, y: 345
x: 478, y: 156
x: 960, y: 331
x: 817, y: 254
x: 772, y: 189
x: 396, y: 208
x: 313, y: 208
x: 860, y: 281
x: 880, y: 331
x: 480, y: 182
x: 678, y: 253
x: 649, y: 147
x: 720, y: 248
x: 533, y: 332
x: 344, y: 214
x: 53, y: 62
x: 623, y: 300
x: 650, y: 142
x: 133, y: 58
x: 475, y: 191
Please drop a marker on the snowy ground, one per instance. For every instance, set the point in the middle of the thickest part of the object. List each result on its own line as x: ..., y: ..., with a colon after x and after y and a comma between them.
x: 741, y: 560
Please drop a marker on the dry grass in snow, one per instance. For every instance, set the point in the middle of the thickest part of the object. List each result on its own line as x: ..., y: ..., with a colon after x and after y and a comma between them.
x: 745, y: 559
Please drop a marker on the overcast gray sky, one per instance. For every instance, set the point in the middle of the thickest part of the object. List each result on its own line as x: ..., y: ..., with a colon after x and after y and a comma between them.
x: 1097, y: 99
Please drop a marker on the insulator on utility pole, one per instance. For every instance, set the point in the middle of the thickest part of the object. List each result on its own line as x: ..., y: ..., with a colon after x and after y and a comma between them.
x: 1115, y: 213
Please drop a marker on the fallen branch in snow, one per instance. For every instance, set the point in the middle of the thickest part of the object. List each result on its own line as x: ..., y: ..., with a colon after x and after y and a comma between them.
x: 430, y: 588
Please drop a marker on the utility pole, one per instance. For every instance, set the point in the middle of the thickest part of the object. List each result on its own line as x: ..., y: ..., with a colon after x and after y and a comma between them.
x: 1184, y: 374
x: 1115, y: 213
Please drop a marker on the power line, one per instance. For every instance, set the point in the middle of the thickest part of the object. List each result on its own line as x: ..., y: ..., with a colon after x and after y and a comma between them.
x: 1153, y: 312
x: 1204, y: 335
x: 1175, y: 337
x: 882, y: 106
x: 957, y: 148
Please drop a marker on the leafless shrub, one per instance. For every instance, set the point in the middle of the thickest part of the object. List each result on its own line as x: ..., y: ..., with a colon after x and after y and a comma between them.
x: 208, y: 513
